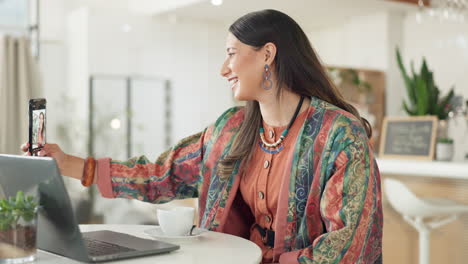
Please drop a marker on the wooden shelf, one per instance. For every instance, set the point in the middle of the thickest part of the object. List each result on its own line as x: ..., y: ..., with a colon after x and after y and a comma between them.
x: 440, y: 169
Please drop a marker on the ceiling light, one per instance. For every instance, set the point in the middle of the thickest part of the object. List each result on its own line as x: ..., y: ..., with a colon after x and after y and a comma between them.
x: 216, y: 2
x: 115, y: 123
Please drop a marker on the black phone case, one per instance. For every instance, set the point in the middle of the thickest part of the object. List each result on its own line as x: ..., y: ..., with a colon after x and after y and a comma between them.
x: 35, y: 104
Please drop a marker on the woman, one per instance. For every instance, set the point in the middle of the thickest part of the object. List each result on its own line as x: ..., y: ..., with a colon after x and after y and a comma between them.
x: 292, y: 171
x: 40, y: 130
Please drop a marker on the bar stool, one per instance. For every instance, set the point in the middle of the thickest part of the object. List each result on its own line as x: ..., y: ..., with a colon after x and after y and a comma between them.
x: 416, y: 210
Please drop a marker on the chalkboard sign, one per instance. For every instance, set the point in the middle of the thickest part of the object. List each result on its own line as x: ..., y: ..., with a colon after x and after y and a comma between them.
x: 408, y: 137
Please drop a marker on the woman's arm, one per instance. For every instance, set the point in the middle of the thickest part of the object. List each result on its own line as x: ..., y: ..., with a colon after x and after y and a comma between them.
x: 71, y: 166
x: 174, y: 175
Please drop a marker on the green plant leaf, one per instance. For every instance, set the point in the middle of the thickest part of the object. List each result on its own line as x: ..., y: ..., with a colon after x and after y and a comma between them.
x: 19, y: 196
x: 433, y: 95
x: 443, y: 111
x: 355, y: 77
x: 423, y: 93
x: 422, y: 103
x: 7, y: 221
x: 445, y: 140
x: 432, y: 92
x: 410, y: 87
x: 408, y: 110
x: 425, y: 71
x: 367, y: 86
x: 28, y: 216
x: 4, y: 225
x: 14, y: 208
x: 5, y: 205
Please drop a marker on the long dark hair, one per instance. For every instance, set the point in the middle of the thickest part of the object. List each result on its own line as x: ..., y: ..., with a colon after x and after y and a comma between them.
x: 41, y: 123
x: 297, y: 67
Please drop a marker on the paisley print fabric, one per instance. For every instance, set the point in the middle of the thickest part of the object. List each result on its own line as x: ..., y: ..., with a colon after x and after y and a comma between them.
x: 333, y: 212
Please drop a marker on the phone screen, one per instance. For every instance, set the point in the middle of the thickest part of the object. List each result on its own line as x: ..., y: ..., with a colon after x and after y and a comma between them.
x: 39, y: 128
x: 37, y: 125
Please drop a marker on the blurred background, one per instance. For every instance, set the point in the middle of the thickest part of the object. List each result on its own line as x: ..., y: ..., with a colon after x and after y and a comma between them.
x: 131, y: 77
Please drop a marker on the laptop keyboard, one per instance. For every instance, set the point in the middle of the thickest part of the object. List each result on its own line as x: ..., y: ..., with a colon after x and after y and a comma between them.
x: 101, y: 248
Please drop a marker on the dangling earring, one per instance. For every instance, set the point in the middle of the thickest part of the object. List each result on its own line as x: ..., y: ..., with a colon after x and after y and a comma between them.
x: 267, y: 83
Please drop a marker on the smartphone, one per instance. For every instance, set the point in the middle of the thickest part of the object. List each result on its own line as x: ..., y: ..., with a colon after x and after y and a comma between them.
x: 37, y: 125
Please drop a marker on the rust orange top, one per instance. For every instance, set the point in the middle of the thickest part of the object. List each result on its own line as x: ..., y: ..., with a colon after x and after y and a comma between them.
x: 260, y: 184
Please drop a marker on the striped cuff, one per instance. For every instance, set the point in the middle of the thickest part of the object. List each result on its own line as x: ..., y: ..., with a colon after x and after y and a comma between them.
x: 104, y: 179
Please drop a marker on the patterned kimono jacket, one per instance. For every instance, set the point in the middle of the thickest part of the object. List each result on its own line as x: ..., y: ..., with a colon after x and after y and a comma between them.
x: 329, y: 207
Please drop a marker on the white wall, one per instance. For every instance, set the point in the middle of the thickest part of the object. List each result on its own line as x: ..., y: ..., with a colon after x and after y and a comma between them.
x: 445, y: 46
x: 77, y: 91
x: 395, y: 88
x: 361, y: 42
x: 53, y: 61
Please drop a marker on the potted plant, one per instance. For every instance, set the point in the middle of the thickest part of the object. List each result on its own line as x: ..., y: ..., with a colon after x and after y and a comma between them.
x: 444, y: 149
x: 18, y: 228
x: 424, y: 95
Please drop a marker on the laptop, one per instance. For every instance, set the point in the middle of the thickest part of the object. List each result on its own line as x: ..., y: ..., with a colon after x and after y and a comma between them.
x: 58, y: 230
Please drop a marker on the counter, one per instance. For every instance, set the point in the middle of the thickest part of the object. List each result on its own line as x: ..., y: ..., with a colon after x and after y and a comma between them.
x: 440, y: 169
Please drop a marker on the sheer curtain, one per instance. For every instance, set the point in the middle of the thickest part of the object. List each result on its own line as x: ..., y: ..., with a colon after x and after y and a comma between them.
x: 19, y: 82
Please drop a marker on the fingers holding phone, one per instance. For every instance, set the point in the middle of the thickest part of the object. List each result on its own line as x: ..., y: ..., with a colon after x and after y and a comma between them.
x: 36, y: 145
x: 54, y: 151
x: 48, y: 150
x: 25, y: 149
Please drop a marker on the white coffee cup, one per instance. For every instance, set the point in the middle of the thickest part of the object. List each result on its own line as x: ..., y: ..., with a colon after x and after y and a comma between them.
x: 177, y: 221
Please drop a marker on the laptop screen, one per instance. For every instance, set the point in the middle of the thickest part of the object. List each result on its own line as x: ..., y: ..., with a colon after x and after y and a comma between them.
x: 58, y: 230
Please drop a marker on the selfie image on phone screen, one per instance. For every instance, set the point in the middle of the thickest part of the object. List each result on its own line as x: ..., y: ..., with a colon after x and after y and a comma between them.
x: 39, y: 134
x: 37, y: 125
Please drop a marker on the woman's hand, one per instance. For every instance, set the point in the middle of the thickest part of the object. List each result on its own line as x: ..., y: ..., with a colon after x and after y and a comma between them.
x: 68, y: 165
x: 25, y: 149
x: 48, y: 150
x: 54, y: 151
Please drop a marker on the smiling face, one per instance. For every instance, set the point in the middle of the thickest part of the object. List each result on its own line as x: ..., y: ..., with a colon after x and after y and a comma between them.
x: 243, y: 68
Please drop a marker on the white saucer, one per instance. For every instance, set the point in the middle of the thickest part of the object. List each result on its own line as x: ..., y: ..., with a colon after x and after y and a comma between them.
x: 157, y: 233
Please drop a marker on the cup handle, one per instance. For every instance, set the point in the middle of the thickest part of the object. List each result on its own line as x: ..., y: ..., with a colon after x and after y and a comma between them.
x: 191, y: 230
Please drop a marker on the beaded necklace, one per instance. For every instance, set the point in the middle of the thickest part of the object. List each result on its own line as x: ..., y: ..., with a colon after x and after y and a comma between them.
x: 276, y: 147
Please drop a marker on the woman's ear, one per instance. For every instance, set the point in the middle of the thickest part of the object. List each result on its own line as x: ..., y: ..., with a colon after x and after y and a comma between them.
x: 269, y: 51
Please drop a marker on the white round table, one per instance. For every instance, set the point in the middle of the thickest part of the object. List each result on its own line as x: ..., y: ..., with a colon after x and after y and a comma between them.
x: 210, y: 247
